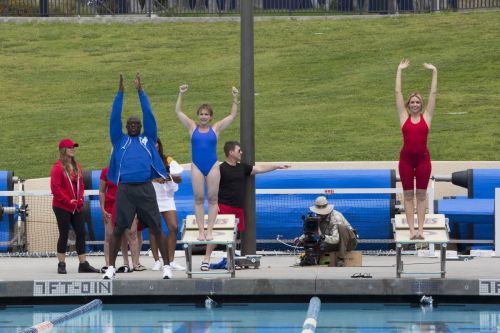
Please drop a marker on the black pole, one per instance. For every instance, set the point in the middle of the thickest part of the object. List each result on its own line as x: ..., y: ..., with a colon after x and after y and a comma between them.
x: 247, y: 122
x: 44, y: 8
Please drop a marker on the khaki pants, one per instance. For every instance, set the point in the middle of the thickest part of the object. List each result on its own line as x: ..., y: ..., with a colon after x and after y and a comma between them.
x: 347, y: 242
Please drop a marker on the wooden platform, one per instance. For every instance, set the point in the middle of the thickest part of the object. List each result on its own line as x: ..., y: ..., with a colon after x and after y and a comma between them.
x: 224, y: 233
x: 436, y: 231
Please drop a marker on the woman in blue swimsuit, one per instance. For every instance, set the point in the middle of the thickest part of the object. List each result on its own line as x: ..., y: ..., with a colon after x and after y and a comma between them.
x: 205, y: 166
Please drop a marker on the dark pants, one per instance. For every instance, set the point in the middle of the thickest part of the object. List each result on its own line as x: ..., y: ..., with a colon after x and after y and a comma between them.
x: 347, y: 242
x: 64, y: 220
x: 140, y: 199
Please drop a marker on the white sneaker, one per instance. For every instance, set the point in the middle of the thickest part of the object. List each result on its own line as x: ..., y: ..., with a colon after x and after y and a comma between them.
x: 176, y: 267
x: 109, y: 274
x: 156, y: 266
x: 167, y: 272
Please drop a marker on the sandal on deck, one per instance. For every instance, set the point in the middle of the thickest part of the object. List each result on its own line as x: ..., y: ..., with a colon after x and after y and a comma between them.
x: 124, y: 269
x: 361, y: 276
x: 204, y: 266
x: 139, y: 268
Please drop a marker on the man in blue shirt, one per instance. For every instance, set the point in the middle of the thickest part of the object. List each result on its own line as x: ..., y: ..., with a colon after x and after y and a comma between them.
x: 134, y: 163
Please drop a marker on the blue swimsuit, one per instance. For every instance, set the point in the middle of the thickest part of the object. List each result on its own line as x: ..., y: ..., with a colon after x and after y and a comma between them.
x: 204, y: 150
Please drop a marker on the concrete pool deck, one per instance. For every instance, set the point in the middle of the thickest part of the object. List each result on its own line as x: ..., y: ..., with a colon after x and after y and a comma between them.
x: 277, y: 276
x: 32, y: 278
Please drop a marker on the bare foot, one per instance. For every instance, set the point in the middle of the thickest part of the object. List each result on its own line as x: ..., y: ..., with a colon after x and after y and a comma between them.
x: 201, y: 236
x: 420, y: 237
x: 413, y: 237
x: 209, y: 236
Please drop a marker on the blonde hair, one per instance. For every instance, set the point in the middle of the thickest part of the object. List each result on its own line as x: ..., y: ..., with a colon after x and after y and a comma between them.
x: 417, y: 95
x: 69, y: 163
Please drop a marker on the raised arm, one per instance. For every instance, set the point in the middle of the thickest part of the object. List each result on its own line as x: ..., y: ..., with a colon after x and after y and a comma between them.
x: 185, y: 120
x: 115, y: 120
x: 400, y: 103
x: 432, y: 95
x: 149, y: 121
x: 225, y: 122
x: 267, y: 168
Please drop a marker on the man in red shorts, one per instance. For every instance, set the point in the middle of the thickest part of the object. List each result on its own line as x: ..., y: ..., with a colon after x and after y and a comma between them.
x: 233, y: 175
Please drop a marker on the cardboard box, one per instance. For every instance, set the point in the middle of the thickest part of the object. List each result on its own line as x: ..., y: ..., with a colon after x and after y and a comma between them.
x: 482, y: 253
x: 353, y: 259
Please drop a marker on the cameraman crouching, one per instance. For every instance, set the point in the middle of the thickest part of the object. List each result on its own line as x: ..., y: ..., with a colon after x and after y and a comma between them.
x: 335, y: 233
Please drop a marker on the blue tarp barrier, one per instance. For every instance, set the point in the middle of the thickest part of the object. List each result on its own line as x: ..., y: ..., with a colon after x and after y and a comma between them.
x: 281, y: 214
x: 6, y: 223
x: 469, y: 218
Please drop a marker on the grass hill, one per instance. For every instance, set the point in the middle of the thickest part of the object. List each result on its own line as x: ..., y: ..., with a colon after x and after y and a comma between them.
x: 324, y: 88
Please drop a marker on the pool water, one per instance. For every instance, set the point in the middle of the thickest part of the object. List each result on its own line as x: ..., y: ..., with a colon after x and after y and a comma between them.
x: 260, y: 317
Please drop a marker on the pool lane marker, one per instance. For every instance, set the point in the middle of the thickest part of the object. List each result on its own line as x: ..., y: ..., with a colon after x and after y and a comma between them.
x: 47, y: 325
x: 311, y: 321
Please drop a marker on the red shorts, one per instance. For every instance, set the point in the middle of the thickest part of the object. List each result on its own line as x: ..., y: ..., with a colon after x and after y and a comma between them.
x: 238, y: 212
x: 412, y: 167
x: 110, y: 210
x: 140, y: 227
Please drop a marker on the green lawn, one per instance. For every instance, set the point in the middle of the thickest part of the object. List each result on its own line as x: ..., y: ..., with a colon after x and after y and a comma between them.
x: 324, y: 89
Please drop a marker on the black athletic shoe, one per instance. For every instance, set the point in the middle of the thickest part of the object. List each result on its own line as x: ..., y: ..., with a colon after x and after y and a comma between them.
x: 61, y: 268
x: 85, y: 267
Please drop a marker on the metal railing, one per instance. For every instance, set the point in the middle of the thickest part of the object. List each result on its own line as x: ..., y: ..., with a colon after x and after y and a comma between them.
x: 45, y: 8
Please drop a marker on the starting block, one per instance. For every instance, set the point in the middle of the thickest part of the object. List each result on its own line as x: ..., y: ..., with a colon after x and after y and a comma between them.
x: 436, y: 231
x: 248, y: 261
x: 224, y: 233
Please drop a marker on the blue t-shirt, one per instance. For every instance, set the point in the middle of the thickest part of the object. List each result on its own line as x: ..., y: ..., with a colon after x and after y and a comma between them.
x: 136, y: 164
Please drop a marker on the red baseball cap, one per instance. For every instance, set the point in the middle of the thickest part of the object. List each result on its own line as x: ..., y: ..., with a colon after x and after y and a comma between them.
x: 67, y: 143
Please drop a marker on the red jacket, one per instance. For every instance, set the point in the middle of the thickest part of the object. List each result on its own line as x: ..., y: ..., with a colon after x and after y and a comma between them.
x: 63, y: 191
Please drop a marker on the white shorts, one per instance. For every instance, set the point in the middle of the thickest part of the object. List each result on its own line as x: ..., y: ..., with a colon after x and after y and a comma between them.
x: 166, y: 205
x: 165, y: 196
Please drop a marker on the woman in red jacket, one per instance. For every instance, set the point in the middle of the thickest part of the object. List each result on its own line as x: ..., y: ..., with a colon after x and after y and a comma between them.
x: 66, y: 184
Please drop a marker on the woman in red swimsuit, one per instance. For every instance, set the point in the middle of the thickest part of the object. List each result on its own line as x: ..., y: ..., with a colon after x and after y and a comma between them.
x: 414, y: 158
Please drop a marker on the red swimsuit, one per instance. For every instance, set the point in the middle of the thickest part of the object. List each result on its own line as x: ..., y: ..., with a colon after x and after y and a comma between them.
x: 414, y: 158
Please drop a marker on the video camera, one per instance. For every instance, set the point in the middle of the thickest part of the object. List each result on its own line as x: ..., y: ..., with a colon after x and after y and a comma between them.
x: 311, y: 241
